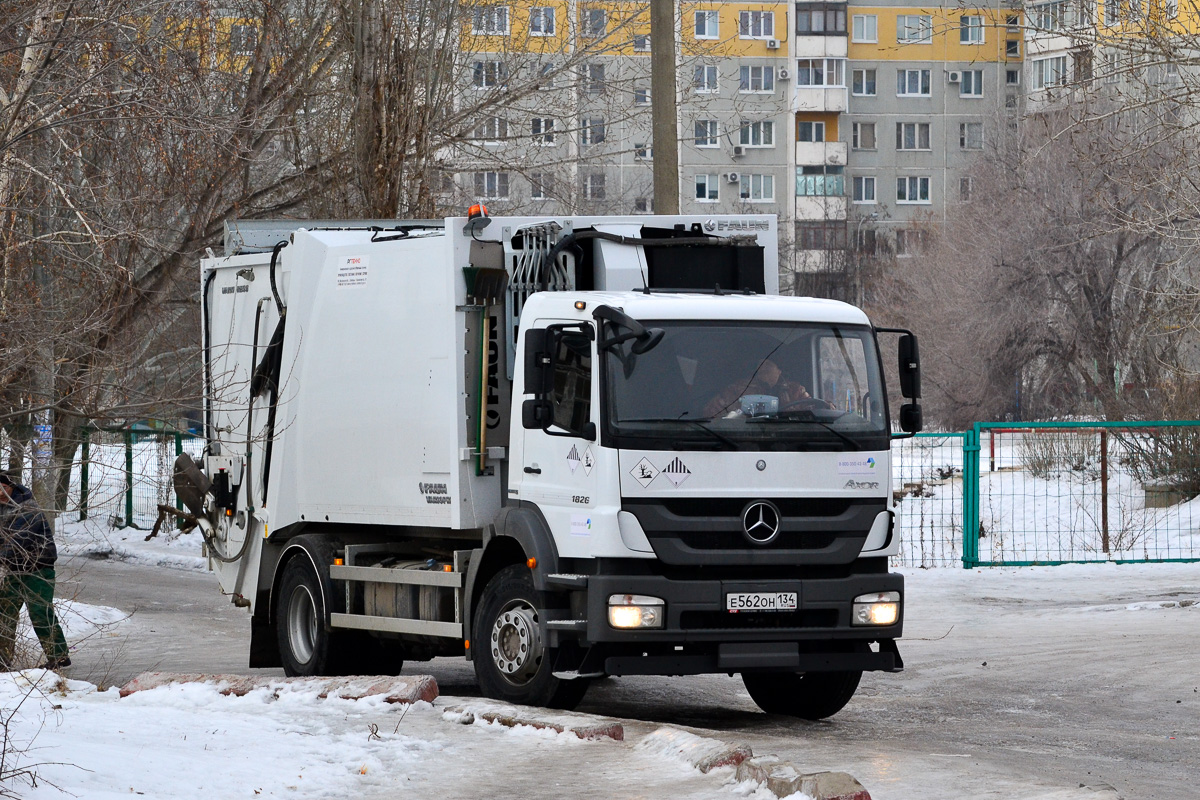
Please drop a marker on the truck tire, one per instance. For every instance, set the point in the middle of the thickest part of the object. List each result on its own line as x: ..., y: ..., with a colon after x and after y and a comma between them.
x: 306, y: 648
x: 807, y: 695
x: 512, y: 663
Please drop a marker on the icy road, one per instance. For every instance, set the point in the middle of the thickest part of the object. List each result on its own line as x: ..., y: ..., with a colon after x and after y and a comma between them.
x: 1064, y: 682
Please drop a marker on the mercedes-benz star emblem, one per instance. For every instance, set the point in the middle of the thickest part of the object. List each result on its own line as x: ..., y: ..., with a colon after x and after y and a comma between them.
x: 761, y: 522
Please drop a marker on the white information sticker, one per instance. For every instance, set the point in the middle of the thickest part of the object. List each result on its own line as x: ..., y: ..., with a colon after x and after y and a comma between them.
x: 857, y: 466
x: 352, y: 272
x: 581, y: 525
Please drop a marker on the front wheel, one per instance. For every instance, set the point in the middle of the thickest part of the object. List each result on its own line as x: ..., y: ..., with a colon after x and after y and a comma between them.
x: 807, y: 695
x: 512, y: 660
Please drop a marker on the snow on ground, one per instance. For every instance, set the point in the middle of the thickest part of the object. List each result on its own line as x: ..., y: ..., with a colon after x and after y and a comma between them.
x: 189, y: 740
x: 96, y: 539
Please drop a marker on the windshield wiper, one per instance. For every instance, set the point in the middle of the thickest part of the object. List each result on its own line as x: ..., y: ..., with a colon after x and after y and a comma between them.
x: 781, y: 418
x: 695, y: 422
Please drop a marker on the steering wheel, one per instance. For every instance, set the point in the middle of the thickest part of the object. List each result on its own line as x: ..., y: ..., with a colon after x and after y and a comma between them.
x: 807, y: 404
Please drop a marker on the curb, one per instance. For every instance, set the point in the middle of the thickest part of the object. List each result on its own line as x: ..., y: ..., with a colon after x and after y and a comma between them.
x: 582, y: 726
x: 408, y: 689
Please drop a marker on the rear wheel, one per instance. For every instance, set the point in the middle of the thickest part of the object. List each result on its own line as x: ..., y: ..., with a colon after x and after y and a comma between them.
x: 807, y: 695
x: 305, y: 646
x: 512, y: 661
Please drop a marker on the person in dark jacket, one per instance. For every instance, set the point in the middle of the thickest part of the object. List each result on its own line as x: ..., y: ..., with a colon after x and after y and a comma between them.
x: 27, y: 556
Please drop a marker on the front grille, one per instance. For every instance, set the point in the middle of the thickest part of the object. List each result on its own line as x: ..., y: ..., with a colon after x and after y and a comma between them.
x: 723, y: 540
x: 757, y: 620
x: 734, y: 506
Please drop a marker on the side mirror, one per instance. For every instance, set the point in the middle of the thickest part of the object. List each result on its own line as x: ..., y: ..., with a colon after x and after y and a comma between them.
x: 910, y: 418
x: 910, y: 367
x: 539, y: 362
x: 537, y: 414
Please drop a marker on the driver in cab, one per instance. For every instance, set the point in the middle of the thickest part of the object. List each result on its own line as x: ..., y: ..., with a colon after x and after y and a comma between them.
x: 768, y: 379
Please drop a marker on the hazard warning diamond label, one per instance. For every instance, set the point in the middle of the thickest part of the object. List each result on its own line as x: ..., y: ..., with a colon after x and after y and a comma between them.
x: 676, y: 472
x: 644, y: 472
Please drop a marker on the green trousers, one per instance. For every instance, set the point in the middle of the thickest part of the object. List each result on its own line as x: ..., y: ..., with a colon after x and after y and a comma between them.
x: 35, y: 590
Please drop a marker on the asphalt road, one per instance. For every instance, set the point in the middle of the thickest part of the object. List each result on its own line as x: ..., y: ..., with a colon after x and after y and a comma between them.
x: 1003, y: 696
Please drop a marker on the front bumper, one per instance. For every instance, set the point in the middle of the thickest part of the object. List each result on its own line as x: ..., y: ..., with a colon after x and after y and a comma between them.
x: 700, y: 636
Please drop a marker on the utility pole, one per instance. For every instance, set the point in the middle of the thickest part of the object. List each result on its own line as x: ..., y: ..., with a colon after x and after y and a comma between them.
x: 664, y: 106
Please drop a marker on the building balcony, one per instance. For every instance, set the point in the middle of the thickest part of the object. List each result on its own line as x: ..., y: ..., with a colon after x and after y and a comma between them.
x: 821, y: 153
x: 819, y: 46
x: 820, y: 207
x: 819, y: 98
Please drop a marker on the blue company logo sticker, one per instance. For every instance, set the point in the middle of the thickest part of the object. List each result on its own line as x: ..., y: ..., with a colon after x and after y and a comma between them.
x: 856, y: 466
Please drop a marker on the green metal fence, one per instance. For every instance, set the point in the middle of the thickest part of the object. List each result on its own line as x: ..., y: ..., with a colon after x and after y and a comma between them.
x: 122, y: 476
x: 1019, y: 494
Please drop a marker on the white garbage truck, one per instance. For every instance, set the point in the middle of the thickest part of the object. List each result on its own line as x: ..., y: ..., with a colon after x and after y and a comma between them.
x: 562, y: 448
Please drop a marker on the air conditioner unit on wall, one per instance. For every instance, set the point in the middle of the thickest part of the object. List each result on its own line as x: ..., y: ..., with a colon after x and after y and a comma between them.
x: 738, y: 150
x: 954, y: 77
x: 732, y: 177
x: 784, y: 74
x: 772, y: 44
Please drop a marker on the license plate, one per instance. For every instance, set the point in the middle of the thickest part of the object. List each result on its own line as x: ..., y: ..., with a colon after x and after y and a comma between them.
x: 760, y: 601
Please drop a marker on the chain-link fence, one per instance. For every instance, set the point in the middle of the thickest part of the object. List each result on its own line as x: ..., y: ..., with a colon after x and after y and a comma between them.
x: 927, y: 496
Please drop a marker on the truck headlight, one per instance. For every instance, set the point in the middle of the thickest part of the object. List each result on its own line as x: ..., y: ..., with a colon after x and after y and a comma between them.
x: 635, y: 611
x: 881, y: 608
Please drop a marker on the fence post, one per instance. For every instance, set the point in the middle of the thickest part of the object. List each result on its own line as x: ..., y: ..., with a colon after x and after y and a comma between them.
x: 1104, y: 489
x: 85, y: 456
x: 178, y: 453
x: 971, y: 448
x: 128, y: 479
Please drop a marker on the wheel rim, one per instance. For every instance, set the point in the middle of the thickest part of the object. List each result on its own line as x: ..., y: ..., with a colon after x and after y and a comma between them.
x: 516, y: 643
x: 302, y: 624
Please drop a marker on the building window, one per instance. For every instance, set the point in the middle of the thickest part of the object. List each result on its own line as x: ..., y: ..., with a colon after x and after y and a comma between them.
x: 820, y: 19
x: 243, y: 39
x: 757, y: 79
x: 539, y: 185
x: 594, y: 186
x: 756, y: 24
x: 593, y: 79
x: 1012, y: 23
x: 704, y: 80
x: 542, y: 129
x: 757, y: 188
x: 912, y: 189
x: 914, y: 28
x: 641, y: 43
x: 547, y: 74
x: 912, y: 83
x: 821, y: 235
x: 643, y: 205
x: 862, y: 136
x: 757, y: 134
x: 1012, y: 48
x: 821, y: 72
x: 1049, y: 72
x: 1172, y: 8
x: 707, y: 188
x: 707, y: 23
x: 866, y: 28
x: 491, y: 185
x: 912, y: 136
x: 864, y: 83
x: 1010, y: 101
x: 1012, y: 77
x: 970, y: 29
x: 489, y: 74
x: 643, y: 151
x: 594, y: 24
x: 541, y: 21
x: 641, y: 95
x: 492, y: 129
x: 490, y: 21
x: 970, y: 135
x: 591, y: 130
x: 810, y: 131
x: 972, y: 83
x: 864, y: 190
x: 706, y: 133
x: 965, y: 185
x: 821, y: 180
x: 909, y: 242
x: 1049, y: 17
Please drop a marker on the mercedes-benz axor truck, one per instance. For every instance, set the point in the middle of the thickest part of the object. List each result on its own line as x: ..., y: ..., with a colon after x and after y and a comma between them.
x: 562, y: 448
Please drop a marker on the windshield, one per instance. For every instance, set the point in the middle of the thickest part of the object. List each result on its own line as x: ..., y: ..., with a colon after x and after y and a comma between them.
x: 748, y: 386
